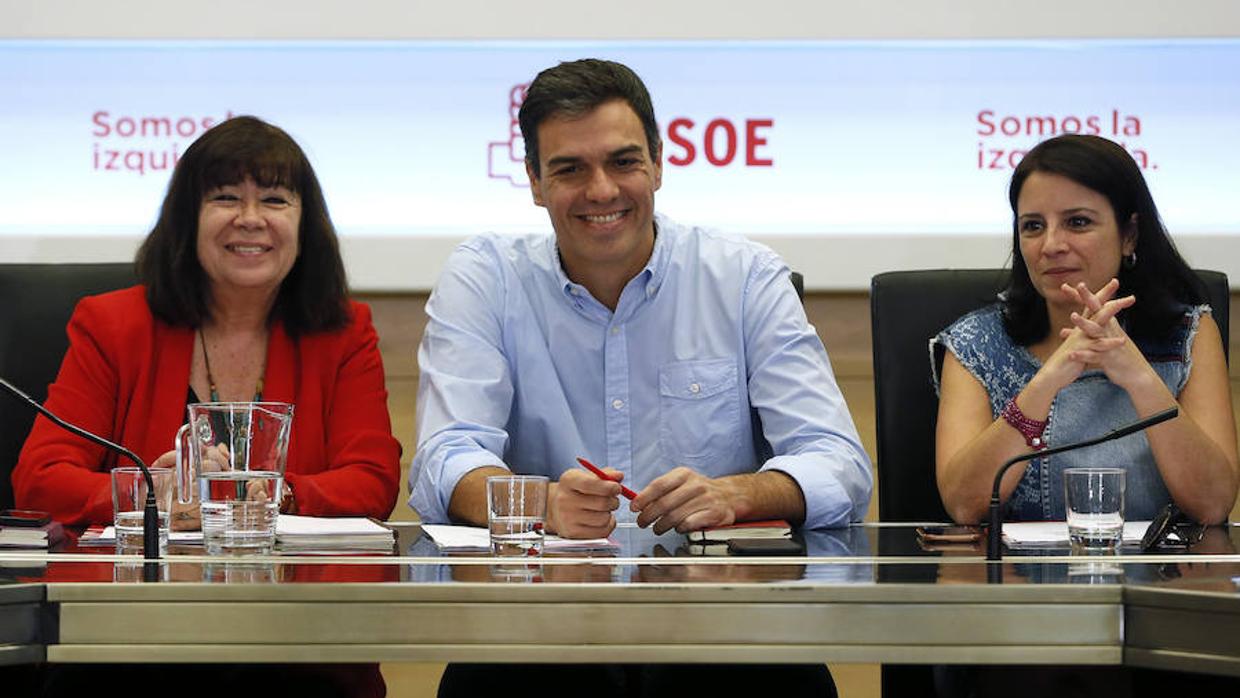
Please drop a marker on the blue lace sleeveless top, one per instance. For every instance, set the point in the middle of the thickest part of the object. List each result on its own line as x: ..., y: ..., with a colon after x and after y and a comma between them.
x: 1089, y: 407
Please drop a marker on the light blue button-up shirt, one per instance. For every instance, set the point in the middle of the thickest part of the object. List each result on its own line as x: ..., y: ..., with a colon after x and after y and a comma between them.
x: 707, y: 362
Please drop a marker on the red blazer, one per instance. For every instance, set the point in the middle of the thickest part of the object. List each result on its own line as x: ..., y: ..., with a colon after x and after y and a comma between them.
x: 126, y: 377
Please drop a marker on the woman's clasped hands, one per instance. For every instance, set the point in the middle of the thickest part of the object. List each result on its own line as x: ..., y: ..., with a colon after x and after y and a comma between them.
x: 1096, y: 340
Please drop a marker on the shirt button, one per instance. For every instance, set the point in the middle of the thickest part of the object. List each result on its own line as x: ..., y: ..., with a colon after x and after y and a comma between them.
x: 615, y: 330
x: 617, y: 403
x: 695, y: 388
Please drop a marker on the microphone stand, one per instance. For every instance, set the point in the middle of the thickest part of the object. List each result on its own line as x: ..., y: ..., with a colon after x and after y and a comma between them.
x: 994, y: 534
x: 150, y: 511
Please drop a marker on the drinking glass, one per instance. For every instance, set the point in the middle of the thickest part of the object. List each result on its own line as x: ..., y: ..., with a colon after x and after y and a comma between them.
x: 1095, y: 506
x: 516, y: 514
x: 129, y: 503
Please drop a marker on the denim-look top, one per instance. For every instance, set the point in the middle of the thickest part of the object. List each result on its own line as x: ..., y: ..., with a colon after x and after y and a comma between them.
x: 1088, y: 407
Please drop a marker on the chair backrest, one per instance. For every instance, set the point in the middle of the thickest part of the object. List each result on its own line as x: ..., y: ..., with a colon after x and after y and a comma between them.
x: 798, y: 282
x: 36, y: 301
x: 1217, y: 285
x: 907, y: 308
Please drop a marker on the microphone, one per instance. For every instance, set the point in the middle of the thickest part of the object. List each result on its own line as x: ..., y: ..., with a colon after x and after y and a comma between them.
x: 150, y: 512
x: 994, y: 534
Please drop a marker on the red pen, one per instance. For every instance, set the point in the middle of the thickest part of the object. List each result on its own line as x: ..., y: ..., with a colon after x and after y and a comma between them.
x: 628, y: 493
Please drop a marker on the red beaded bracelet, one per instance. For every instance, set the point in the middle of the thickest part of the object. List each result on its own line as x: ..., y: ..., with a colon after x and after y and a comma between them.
x: 1031, y: 429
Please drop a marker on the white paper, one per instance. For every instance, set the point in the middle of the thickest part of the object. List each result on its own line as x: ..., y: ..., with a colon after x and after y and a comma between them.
x: 293, y: 525
x: 108, y: 537
x: 469, y: 538
x: 319, y: 531
x: 14, y: 537
x: 1033, y: 534
x: 305, y: 534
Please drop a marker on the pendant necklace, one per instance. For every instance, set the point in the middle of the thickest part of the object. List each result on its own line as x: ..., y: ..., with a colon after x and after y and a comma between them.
x: 215, y: 394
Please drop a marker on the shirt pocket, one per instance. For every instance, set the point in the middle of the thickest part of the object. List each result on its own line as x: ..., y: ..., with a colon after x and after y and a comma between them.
x: 699, y: 417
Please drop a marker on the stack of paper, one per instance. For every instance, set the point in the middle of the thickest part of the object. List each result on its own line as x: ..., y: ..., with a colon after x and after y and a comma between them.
x: 97, y: 536
x: 301, y: 534
x: 468, y: 539
x: 1054, y: 534
x: 319, y: 534
x: 31, y: 537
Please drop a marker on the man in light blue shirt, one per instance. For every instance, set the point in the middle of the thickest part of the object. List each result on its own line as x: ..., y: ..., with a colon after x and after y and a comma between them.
x: 678, y: 359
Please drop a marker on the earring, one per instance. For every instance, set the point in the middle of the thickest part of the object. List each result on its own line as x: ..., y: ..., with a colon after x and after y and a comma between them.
x: 1130, y: 260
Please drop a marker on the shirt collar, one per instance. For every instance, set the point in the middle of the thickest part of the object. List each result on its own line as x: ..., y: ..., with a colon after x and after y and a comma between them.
x: 652, y: 273
x: 656, y: 268
x: 568, y: 287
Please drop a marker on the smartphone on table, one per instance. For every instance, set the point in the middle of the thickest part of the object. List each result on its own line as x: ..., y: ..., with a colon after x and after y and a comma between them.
x: 949, y: 534
x: 24, y: 518
x: 766, y: 546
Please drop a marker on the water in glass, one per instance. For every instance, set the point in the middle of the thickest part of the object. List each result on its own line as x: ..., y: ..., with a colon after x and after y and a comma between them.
x: 239, y: 510
x: 516, y: 535
x: 129, y: 529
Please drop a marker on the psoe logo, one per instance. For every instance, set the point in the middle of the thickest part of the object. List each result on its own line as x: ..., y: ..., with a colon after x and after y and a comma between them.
x: 721, y: 141
x: 506, y: 158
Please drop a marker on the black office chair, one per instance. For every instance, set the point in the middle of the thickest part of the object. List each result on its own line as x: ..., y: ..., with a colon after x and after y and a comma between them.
x: 907, y: 308
x: 36, y: 301
x: 798, y: 282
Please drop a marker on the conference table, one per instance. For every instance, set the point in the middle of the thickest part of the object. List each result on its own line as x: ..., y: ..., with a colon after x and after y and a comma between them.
x: 869, y: 593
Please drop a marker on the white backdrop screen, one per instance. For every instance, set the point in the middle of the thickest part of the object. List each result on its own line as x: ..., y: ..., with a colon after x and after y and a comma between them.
x: 797, y: 143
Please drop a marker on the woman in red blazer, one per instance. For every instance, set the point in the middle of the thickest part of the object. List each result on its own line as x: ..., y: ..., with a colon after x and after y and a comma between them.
x: 243, y: 298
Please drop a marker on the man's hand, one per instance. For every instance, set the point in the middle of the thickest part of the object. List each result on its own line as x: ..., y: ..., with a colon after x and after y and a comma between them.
x: 580, y: 504
x: 685, y: 500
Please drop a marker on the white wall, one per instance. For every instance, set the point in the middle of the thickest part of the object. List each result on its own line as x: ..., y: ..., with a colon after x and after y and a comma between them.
x: 842, y: 261
x: 641, y: 19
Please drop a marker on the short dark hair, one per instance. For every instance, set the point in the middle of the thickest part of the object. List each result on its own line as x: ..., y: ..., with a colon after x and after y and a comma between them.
x: 1161, y: 280
x: 574, y: 88
x: 314, y: 295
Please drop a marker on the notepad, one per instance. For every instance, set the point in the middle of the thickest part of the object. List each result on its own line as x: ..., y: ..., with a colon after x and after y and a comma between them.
x: 35, y: 537
x: 770, y: 528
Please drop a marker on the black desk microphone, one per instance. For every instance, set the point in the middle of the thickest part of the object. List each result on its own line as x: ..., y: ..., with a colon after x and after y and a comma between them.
x: 994, y: 536
x: 150, y: 512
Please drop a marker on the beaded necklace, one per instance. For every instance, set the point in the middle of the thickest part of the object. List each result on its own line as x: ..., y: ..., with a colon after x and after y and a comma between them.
x: 215, y: 394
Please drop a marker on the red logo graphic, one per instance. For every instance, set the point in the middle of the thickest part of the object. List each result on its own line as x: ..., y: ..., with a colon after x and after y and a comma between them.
x: 721, y: 142
x: 506, y: 159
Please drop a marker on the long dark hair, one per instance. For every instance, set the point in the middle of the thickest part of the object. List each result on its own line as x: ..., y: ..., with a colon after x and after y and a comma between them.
x: 314, y: 295
x: 1161, y: 280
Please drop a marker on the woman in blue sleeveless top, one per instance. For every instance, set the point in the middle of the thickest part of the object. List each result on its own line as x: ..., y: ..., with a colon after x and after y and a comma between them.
x: 1102, y: 323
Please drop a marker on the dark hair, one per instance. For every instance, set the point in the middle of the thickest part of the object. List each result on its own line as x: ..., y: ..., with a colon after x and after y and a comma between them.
x: 1161, y: 280
x: 572, y: 89
x: 314, y: 295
